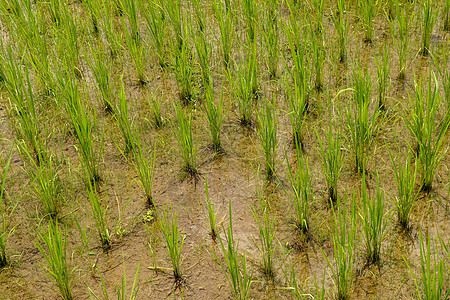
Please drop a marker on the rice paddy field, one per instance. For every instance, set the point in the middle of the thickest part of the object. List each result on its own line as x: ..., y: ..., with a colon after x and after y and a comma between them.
x: 248, y: 149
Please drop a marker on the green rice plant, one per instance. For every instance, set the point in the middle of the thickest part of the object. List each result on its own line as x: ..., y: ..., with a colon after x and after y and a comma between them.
x: 301, y: 193
x: 267, y: 248
x: 318, y: 55
x: 446, y: 13
x: 332, y: 162
x: 271, y: 35
x: 317, y: 6
x: 361, y: 125
x: 245, y: 81
x: 145, y: 166
x: 341, y: 22
x: 374, y: 221
x: 156, y: 24
x: 344, y: 252
x: 200, y: 16
x: 173, y: 239
x: 155, y: 105
x: 84, y: 123
x: 443, y: 69
x: 137, y: 53
x: 94, y: 7
x: 5, y: 232
x: 102, y: 69
x: 401, y: 35
x: 23, y: 103
x: 183, y: 67
x: 122, y: 290
x: 215, y: 115
x: 405, y: 176
x: 428, y: 22
x: 175, y: 17
x: 249, y: 10
x: 368, y: 13
x: 391, y: 9
x: 203, y: 50
x: 383, y: 67
x: 54, y: 10
x: 431, y: 284
x: 123, y: 120
x: 131, y: 9
x: 107, y: 24
x: 211, y: 213
x: 52, y: 245
x: 186, y: 142
x: 68, y: 45
x: 225, y: 21
x: 235, y: 268
x: 428, y: 135
x: 267, y: 133
x: 99, y: 215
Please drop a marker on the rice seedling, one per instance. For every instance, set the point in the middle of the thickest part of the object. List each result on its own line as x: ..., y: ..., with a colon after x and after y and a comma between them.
x: 301, y: 193
x: 156, y: 26
x: 318, y: 9
x: 249, y: 10
x: 215, y: 115
x: 94, y: 7
x: 374, y: 222
x: 200, y: 16
x: 175, y: 17
x: 368, y: 13
x: 107, y: 24
x: 224, y: 19
x: 341, y: 22
x: 267, y: 133
x: 428, y: 22
x: 318, y: 55
x: 124, y: 122
x: 271, y: 34
x: 401, y: 35
x: 405, y: 176
x: 361, y: 125
x: 211, y: 213
x: 342, y: 271
x: 145, y: 166
x: 183, y: 67
x: 54, y: 10
x: 131, y: 9
x: 446, y: 13
x: 383, y: 67
x: 391, y: 9
x: 332, y: 162
x: 173, y: 239
x: 122, y: 291
x: 52, y: 245
x: 99, y: 215
x: 432, y: 272
x: 186, y: 142
x: 5, y: 232
x: 267, y: 232
x: 203, y: 50
x: 68, y: 45
x: 235, y: 268
x: 102, y: 69
x: 155, y: 105
x: 137, y: 53
x: 428, y: 135
x: 84, y: 123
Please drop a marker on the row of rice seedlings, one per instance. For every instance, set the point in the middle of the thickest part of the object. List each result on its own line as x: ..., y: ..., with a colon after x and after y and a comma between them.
x: 84, y: 123
x: 400, y: 34
x: 428, y: 22
x: 341, y: 22
x: 156, y: 25
x: 215, y: 115
x: 368, y: 14
x: 245, y: 81
x: 225, y: 22
x: 432, y: 272
x: 235, y: 268
x: 300, y: 192
x: 424, y: 127
x: 384, y: 84
x: 186, y: 141
x: 122, y: 291
x: 271, y: 34
x: 5, y: 231
x: 267, y: 133
x: 361, y: 125
x: 374, y: 221
x: 173, y: 239
x: 342, y: 271
x: 405, y: 176
x: 102, y: 69
x: 52, y: 244
x: 211, y: 212
x: 99, y: 215
x: 332, y: 162
x: 23, y: 104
